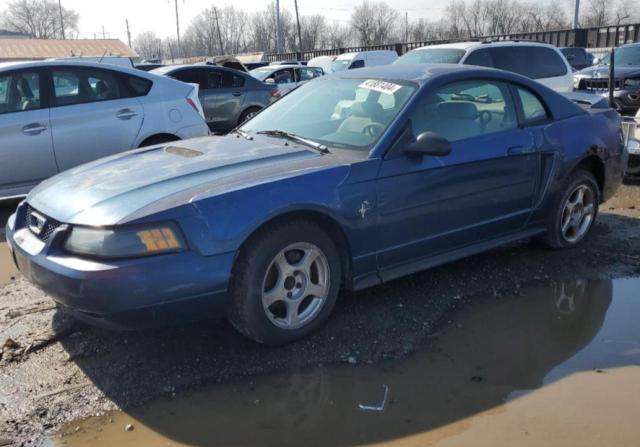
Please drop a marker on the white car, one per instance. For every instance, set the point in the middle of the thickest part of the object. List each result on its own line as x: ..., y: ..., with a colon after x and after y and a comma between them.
x: 286, y: 77
x: 323, y: 62
x: 55, y: 115
x: 349, y: 61
x: 542, y: 62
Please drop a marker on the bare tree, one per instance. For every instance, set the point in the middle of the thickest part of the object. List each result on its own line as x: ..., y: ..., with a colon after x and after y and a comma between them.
x: 374, y: 22
x: 40, y: 18
x: 338, y: 35
x: 149, y: 46
x: 597, y: 13
x: 314, y: 32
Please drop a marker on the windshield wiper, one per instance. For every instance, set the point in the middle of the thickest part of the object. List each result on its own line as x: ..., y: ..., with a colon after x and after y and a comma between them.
x: 292, y: 136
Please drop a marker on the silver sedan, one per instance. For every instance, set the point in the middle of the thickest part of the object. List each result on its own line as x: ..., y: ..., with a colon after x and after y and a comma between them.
x: 55, y: 115
x: 229, y: 97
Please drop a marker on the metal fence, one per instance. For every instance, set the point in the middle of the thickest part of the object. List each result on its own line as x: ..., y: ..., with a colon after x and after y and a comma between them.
x: 602, y: 37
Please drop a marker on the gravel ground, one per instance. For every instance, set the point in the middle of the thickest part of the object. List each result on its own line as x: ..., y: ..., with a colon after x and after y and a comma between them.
x: 54, y: 370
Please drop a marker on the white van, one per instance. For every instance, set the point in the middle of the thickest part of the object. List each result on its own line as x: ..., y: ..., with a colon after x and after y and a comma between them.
x: 323, y: 62
x: 349, y: 61
x: 540, y: 61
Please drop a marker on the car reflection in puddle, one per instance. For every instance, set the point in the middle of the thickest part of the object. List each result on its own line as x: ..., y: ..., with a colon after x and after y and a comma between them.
x: 510, y: 371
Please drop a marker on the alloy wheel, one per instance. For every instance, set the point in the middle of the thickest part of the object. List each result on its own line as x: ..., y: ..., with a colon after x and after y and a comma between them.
x: 295, y: 285
x: 577, y: 214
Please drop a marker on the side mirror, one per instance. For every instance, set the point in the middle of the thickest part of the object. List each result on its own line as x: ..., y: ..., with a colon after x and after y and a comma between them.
x: 429, y: 143
x: 269, y: 81
x: 596, y: 61
x: 571, y: 57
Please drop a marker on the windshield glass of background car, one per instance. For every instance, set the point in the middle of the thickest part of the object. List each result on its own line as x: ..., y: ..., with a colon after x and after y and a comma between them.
x: 341, y: 113
x: 432, y: 56
x: 625, y: 56
x: 261, y: 73
x: 340, y: 65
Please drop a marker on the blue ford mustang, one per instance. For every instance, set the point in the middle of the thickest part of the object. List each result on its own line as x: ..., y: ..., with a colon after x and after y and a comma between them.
x: 351, y: 180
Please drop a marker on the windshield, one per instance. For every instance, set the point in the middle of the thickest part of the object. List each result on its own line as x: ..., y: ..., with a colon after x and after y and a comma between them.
x: 624, y: 56
x: 261, y: 73
x: 339, y: 113
x: 432, y: 56
x: 340, y: 65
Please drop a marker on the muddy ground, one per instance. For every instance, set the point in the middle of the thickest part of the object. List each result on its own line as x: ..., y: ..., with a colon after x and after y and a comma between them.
x: 54, y: 370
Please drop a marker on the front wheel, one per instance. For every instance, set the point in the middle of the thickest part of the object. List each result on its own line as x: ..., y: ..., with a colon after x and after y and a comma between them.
x: 573, y: 212
x: 248, y: 114
x: 633, y: 166
x: 285, y: 283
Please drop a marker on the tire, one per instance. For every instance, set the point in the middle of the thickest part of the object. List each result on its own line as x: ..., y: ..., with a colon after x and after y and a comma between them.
x: 248, y: 114
x: 275, y: 298
x: 577, y: 220
x: 158, y: 139
x: 633, y: 166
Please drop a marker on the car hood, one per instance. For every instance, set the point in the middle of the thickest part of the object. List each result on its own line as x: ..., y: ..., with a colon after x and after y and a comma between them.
x: 602, y: 71
x: 107, y: 191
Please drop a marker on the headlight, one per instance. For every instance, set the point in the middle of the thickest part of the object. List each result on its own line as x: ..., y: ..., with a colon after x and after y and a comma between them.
x: 125, y: 242
x: 576, y: 81
x: 632, y: 83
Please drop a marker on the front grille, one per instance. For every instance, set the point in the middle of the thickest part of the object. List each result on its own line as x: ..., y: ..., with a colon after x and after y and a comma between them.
x: 597, y: 84
x: 33, y: 221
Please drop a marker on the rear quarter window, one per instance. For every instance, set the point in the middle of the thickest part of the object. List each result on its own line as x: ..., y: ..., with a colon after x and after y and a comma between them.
x: 533, y: 62
x: 137, y: 86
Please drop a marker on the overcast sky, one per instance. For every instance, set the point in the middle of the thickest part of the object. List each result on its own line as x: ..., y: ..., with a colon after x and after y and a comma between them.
x: 159, y: 15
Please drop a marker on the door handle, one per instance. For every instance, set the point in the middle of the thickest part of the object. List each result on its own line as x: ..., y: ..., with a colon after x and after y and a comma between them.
x: 237, y: 93
x: 125, y: 114
x: 34, y: 129
x: 520, y: 150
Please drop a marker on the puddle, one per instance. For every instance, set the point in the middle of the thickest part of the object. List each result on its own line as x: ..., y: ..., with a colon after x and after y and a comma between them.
x: 558, y: 364
x: 7, y: 267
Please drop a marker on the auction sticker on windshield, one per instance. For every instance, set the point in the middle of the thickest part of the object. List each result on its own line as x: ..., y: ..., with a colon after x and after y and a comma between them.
x: 380, y: 86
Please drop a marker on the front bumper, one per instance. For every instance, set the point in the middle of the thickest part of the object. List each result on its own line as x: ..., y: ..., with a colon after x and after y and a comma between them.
x: 628, y: 100
x: 127, y: 294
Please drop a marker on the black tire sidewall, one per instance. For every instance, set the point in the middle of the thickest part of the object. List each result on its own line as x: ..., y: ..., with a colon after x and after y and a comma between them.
x: 554, y: 237
x: 249, y: 316
x: 245, y: 114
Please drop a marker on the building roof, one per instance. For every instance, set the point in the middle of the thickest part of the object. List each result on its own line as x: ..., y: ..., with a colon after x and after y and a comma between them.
x: 29, y: 49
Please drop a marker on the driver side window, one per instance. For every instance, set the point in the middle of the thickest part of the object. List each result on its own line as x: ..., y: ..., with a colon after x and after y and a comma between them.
x: 467, y: 109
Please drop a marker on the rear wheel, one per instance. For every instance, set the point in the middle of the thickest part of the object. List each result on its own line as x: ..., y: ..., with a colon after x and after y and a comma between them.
x: 285, y: 283
x: 158, y: 139
x: 633, y: 166
x: 573, y: 212
x: 248, y: 114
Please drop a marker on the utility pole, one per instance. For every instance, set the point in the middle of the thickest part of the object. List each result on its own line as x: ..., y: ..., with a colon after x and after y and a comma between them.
x: 103, y: 33
x: 61, y: 19
x: 278, y: 29
x: 576, y: 16
x: 295, y: 2
x: 128, y: 32
x: 406, y: 27
x: 215, y: 11
x: 177, y: 29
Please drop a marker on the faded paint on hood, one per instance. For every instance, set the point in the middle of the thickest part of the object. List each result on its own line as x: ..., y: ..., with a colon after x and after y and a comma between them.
x: 106, y: 191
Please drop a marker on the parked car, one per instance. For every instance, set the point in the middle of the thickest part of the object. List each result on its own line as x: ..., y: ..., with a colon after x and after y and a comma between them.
x: 627, y: 78
x: 252, y: 65
x: 323, y: 62
x: 286, y: 77
x: 55, y: 115
x: 229, y: 97
x: 227, y: 61
x: 632, y: 137
x: 148, y: 66
x: 266, y: 224
x: 349, y: 61
x: 577, y: 57
x: 539, y: 61
x: 301, y: 63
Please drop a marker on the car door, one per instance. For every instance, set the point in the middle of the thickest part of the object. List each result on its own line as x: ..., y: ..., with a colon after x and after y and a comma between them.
x: 483, y: 190
x: 284, y: 78
x: 231, y: 96
x: 92, y: 114
x: 26, y: 153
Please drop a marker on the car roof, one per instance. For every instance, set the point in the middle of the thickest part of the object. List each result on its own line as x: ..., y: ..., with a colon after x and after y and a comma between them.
x: 70, y: 63
x: 485, y: 44
x: 170, y: 68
